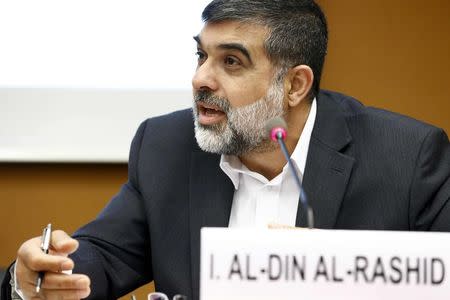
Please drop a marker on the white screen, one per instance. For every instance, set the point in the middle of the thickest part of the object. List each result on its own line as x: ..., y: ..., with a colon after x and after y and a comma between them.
x: 98, y: 44
x: 77, y: 77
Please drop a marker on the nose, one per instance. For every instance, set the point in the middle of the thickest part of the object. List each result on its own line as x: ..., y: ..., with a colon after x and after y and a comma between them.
x: 204, y: 78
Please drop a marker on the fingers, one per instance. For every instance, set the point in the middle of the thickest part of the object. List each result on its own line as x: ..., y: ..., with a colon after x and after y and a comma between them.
x: 65, y: 294
x: 59, y: 286
x: 31, y: 257
x: 62, y: 243
x: 58, y: 281
x: 31, y: 260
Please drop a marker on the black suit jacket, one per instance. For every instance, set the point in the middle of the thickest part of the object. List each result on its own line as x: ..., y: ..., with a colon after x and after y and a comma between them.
x: 366, y: 169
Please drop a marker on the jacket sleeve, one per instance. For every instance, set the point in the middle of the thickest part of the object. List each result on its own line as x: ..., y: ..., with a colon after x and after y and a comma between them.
x: 430, y: 186
x: 6, y: 287
x: 115, y: 248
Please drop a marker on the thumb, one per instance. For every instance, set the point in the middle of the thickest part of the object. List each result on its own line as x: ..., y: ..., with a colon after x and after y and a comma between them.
x: 62, y: 243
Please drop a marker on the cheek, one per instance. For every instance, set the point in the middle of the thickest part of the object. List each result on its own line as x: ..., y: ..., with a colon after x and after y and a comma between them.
x: 244, y: 94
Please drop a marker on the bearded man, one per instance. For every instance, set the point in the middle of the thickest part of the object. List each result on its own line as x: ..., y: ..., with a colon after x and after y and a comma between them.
x: 362, y: 168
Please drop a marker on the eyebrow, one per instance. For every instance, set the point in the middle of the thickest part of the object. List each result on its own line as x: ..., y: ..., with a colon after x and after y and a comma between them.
x: 230, y: 46
x: 197, y: 39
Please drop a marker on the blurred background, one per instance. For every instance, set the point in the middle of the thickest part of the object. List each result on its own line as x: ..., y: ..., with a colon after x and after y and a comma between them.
x: 77, y: 78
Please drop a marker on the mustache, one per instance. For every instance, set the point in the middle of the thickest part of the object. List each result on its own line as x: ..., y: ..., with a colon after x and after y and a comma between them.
x: 208, y: 97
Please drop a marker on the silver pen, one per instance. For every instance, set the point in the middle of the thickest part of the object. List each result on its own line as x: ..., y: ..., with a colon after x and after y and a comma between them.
x: 45, y: 245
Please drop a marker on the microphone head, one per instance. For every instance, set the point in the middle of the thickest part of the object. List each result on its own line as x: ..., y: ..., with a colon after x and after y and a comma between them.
x: 276, y: 128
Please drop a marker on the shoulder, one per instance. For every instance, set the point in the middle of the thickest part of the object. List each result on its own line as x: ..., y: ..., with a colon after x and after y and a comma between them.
x: 371, y: 121
x: 172, y: 122
x: 163, y: 141
x: 175, y: 129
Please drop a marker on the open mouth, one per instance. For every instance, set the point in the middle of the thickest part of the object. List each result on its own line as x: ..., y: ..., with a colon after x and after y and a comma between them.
x: 209, y: 114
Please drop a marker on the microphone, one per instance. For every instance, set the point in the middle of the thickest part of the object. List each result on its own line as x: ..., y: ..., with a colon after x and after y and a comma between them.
x: 276, y: 130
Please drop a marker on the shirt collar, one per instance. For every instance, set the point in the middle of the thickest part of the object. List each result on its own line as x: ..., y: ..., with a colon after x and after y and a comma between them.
x: 233, y: 167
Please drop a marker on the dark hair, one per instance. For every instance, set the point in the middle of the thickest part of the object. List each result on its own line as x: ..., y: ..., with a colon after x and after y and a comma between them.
x: 298, y: 33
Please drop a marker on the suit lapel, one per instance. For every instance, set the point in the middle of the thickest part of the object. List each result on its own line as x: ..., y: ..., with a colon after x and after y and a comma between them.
x: 211, y: 196
x: 327, y: 170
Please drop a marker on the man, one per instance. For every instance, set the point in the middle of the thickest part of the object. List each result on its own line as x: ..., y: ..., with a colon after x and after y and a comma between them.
x: 257, y: 59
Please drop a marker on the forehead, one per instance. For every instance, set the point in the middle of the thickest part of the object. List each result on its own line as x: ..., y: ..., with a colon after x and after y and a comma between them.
x: 251, y: 36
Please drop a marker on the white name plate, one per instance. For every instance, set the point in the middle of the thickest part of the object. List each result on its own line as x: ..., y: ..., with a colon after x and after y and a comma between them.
x: 323, y: 264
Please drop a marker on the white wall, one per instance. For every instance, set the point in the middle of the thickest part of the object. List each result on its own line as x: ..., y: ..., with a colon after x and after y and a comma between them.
x: 61, y: 125
x: 77, y: 77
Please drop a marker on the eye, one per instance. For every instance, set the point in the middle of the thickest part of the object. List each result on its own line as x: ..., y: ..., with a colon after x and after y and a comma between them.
x: 200, y: 56
x: 232, y: 61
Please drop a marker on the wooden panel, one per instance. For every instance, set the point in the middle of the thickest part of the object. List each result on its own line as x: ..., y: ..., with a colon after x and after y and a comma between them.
x: 67, y: 195
x: 392, y: 54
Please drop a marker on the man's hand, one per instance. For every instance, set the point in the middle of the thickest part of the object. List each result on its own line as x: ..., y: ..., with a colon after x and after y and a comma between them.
x: 56, y: 285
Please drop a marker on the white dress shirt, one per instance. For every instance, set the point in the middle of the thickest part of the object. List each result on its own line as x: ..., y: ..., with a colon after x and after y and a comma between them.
x: 258, y: 201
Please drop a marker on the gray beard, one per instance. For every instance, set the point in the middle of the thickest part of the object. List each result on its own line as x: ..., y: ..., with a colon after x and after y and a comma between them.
x: 243, y: 131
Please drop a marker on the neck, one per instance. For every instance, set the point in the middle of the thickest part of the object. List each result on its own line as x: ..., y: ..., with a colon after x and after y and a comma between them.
x: 270, y: 163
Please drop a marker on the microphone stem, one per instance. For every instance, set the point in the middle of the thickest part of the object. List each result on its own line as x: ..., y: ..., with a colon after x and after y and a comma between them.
x: 303, y: 199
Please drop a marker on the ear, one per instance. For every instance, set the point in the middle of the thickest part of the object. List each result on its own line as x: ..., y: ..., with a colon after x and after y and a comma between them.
x: 301, y: 78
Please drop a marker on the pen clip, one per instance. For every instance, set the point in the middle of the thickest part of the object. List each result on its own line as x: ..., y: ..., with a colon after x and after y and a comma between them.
x: 45, y: 240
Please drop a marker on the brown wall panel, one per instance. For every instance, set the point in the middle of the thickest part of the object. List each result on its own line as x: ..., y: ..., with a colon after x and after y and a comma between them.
x: 67, y: 195
x: 393, y: 54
